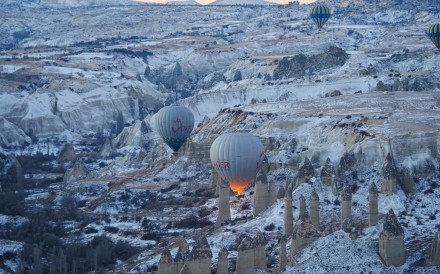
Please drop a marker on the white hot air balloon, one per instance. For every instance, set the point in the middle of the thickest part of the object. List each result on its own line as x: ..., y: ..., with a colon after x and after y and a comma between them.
x: 174, y: 124
x: 237, y: 157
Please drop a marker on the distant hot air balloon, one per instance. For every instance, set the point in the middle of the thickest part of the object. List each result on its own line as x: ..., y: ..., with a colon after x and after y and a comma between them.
x: 237, y: 157
x: 320, y: 15
x: 174, y: 124
x: 434, y: 34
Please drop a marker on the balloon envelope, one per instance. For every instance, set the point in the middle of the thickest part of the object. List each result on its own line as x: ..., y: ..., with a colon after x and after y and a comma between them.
x: 320, y: 15
x: 434, y: 34
x: 237, y: 157
x: 174, y: 124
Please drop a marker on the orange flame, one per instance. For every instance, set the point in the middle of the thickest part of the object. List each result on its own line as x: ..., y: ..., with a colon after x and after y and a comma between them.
x: 238, y: 186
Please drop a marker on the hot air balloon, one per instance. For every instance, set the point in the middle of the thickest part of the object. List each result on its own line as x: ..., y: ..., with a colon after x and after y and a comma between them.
x: 237, y: 157
x: 434, y: 34
x: 174, y: 124
x: 320, y: 15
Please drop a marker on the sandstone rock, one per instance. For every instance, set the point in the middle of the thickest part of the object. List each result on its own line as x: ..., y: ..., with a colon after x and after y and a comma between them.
x: 222, y: 265
x: 391, y: 241
x: 78, y: 172
x: 373, y: 208
x: 66, y: 154
x: 389, y: 175
x: 306, y: 171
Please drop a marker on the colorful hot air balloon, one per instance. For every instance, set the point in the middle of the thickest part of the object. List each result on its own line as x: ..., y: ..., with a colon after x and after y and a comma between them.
x: 434, y: 34
x: 174, y: 124
x: 237, y: 157
x: 320, y: 15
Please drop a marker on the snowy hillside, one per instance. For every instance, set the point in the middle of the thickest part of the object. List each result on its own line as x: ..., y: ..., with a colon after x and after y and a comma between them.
x: 87, y: 183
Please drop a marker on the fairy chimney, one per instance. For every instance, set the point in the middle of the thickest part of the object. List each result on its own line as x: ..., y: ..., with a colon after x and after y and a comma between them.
x: 328, y: 173
x: 261, y: 195
x: 222, y: 265
x: 166, y: 263
x: 373, y: 209
x: 434, y: 251
x: 78, y: 172
x: 314, y: 209
x: 224, y: 211
x: 391, y: 241
x: 304, y: 234
x: 182, y: 254
x: 281, y: 193
x: 200, y: 256
x: 260, y: 252
x: 246, y: 256
x: 305, y: 172
x: 288, y: 214
x: 303, y: 213
x: 389, y: 175
x: 346, y: 204
x: 283, y: 254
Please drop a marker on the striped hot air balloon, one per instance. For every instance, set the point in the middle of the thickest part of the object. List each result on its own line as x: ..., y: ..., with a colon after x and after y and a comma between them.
x: 174, y: 124
x: 237, y: 157
x: 434, y: 34
x: 320, y: 15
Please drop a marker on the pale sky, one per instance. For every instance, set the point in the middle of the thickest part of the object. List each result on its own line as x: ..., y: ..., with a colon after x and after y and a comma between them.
x: 210, y: 1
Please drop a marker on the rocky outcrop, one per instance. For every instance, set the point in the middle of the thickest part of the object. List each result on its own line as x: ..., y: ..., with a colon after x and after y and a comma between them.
x: 373, y: 205
x: 78, y: 172
x: 224, y: 211
x: 433, y: 254
x: 391, y: 241
x: 282, y: 261
x: 304, y: 234
x: 262, y: 193
x: 200, y: 256
x: 407, y: 181
x: 246, y: 256
x: 346, y: 204
x: 347, y: 165
x: 300, y: 65
x: 108, y: 150
x: 303, y: 212
x: 314, y: 208
x: 288, y: 215
x: 11, y: 135
x: 389, y: 175
x: 328, y: 176
x: 305, y: 172
x: 260, y: 251
x: 66, y: 154
x: 166, y: 263
x: 222, y: 264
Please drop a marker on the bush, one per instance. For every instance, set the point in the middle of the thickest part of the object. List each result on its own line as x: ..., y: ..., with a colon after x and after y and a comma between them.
x: 111, y: 229
x: 269, y: 227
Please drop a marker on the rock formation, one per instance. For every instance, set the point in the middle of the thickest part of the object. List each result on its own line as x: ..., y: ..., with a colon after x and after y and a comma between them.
x: 246, y: 256
x: 185, y: 270
x: 389, y: 175
x: 328, y: 173
x: 305, y: 172
x: 66, y: 154
x: 281, y: 193
x: 288, y: 214
x: 303, y: 213
x: 260, y: 252
x: 200, y: 256
x: 224, y: 211
x: 78, y: 172
x: 373, y: 209
x: 283, y: 254
x: 262, y: 193
x: 108, y: 150
x: 222, y: 264
x: 408, y: 184
x: 314, y: 209
x: 391, y: 241
x: 346, y: 204
x: 182, y: 255
x: 304, y: 234
x: 434, y: 251
x: 166, y: 263
x: 347, y: 165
